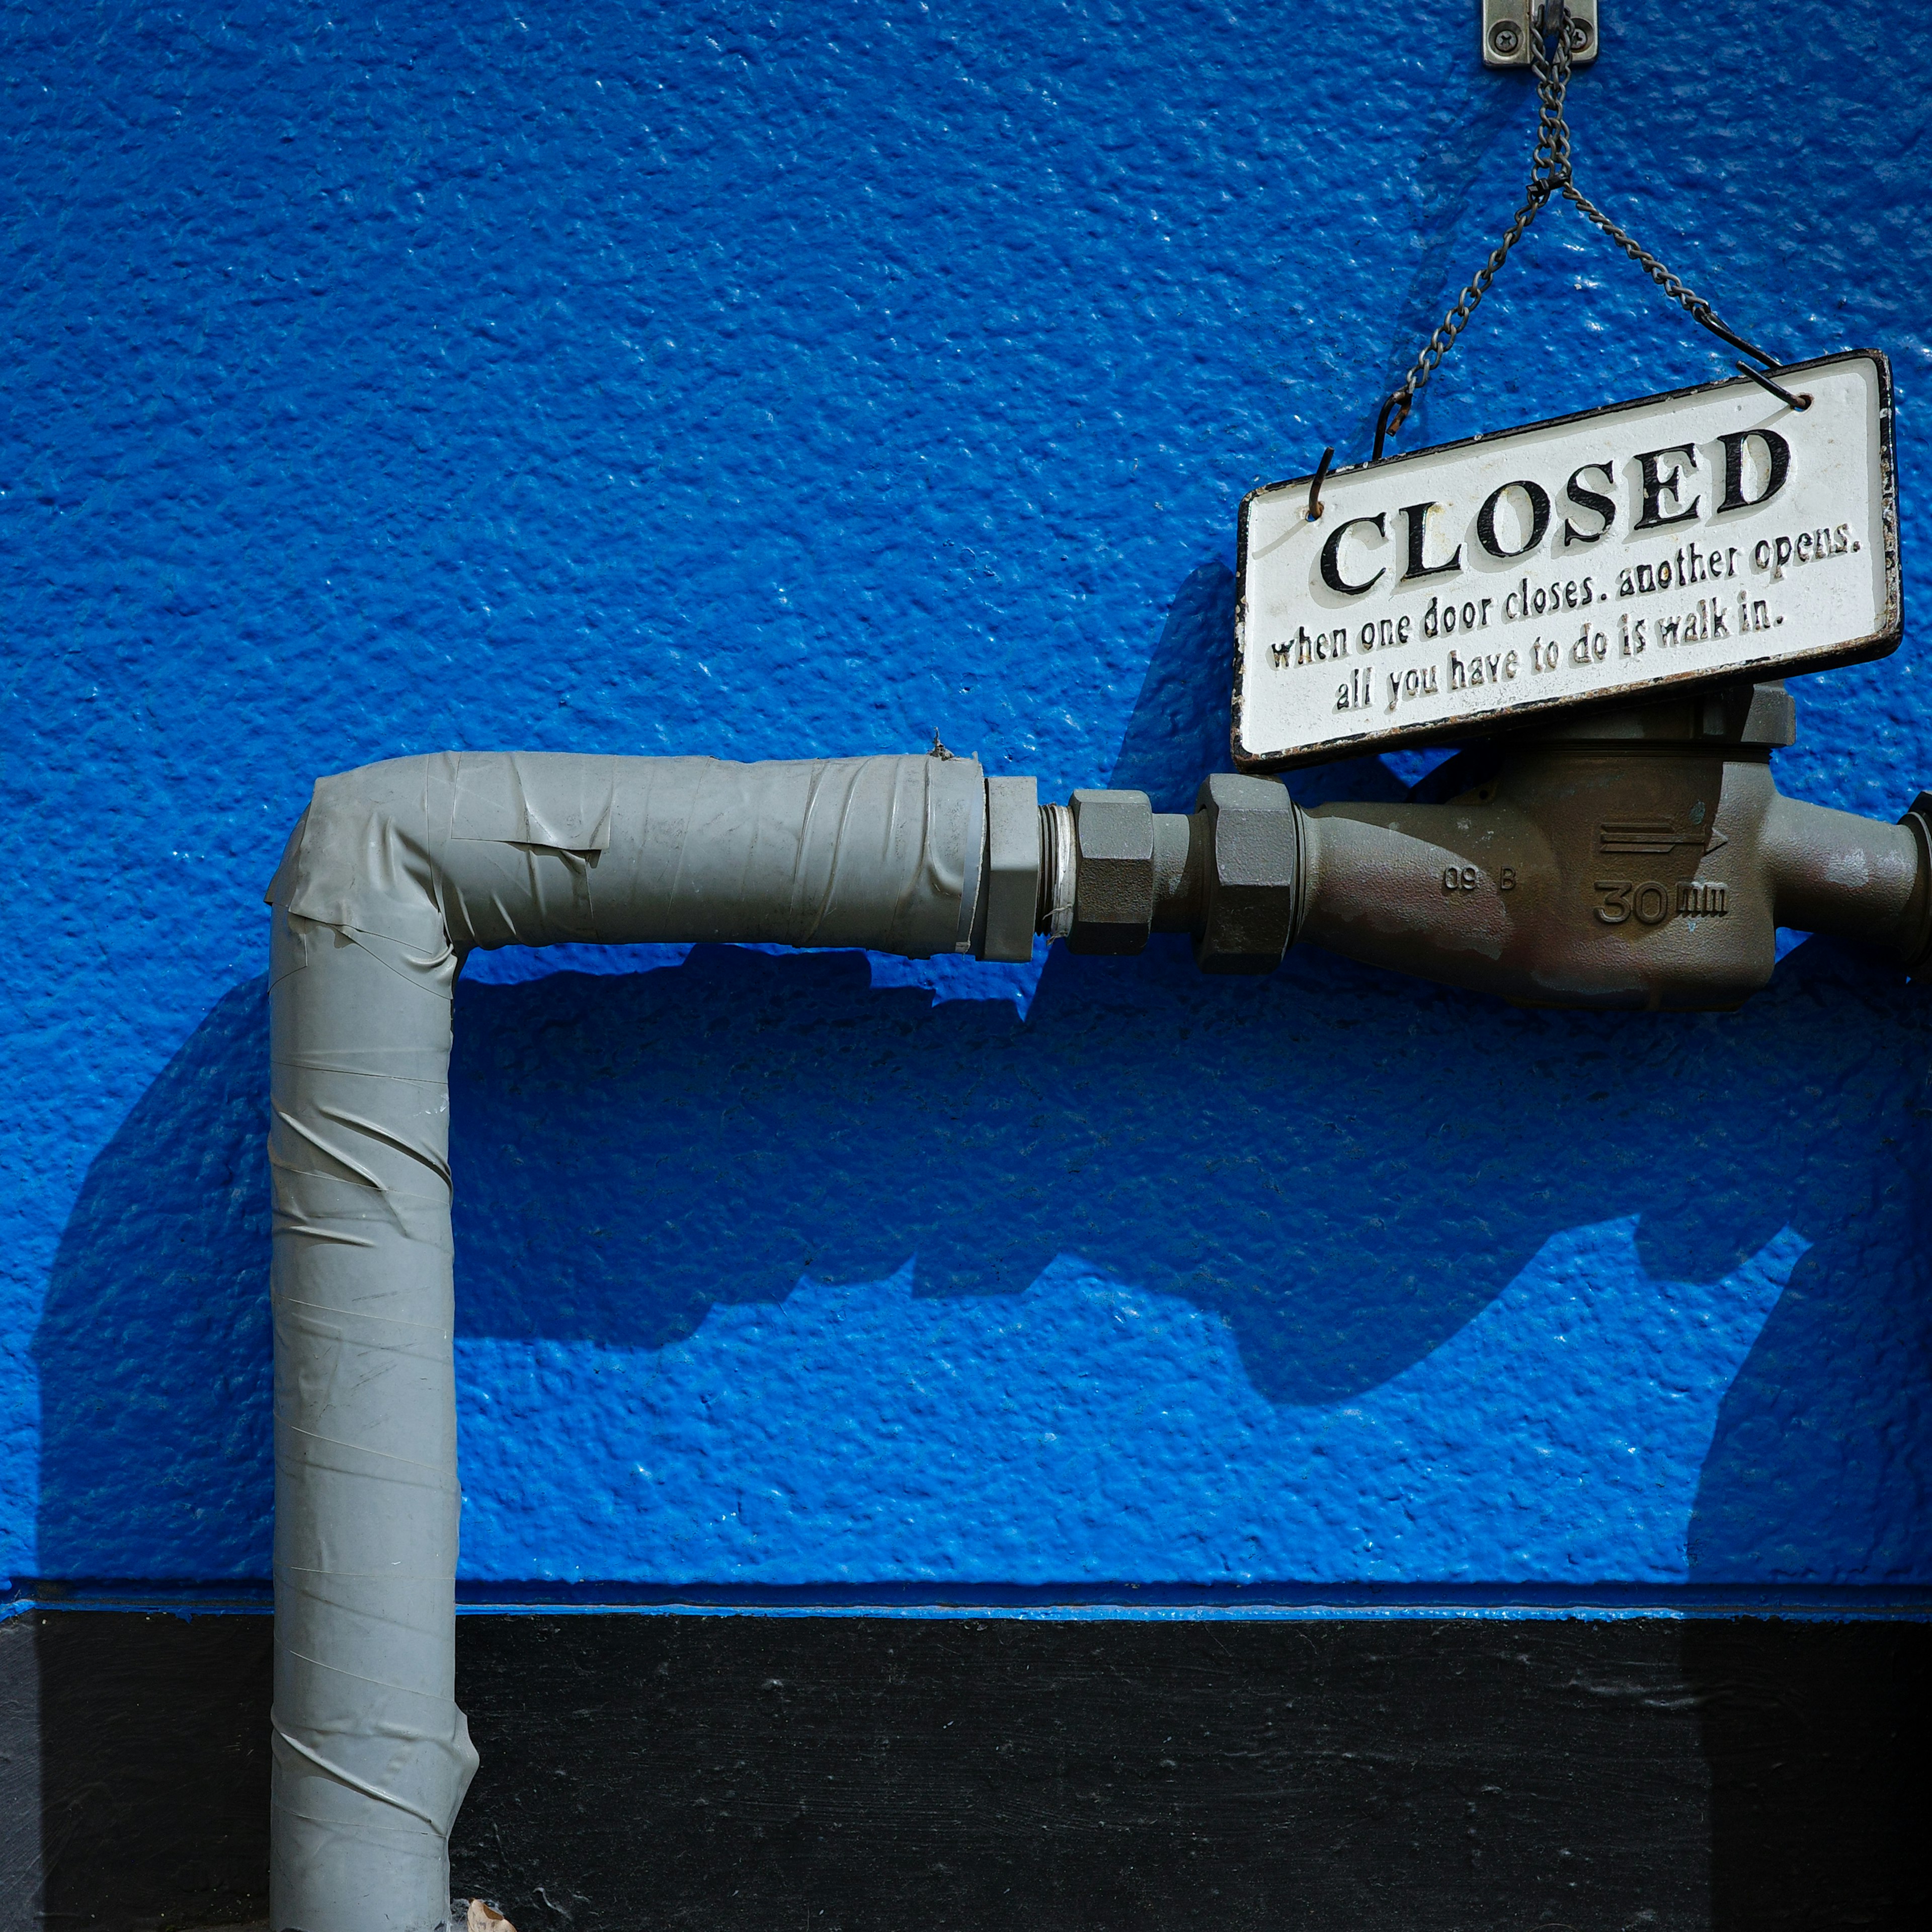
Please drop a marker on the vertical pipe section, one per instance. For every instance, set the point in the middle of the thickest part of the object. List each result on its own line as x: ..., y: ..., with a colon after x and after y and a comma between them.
x: 393, y: 873
x: 371, y: 1756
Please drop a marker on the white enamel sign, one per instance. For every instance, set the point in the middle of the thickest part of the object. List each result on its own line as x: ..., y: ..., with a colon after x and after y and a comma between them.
x: 1714, y: 535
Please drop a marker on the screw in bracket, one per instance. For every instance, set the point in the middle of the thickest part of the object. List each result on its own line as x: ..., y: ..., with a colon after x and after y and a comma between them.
x: 1506, y: 39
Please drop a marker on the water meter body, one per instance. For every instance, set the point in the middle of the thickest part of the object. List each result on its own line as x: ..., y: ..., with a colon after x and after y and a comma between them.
x: 1638, y: 858
x: 1601, y: 610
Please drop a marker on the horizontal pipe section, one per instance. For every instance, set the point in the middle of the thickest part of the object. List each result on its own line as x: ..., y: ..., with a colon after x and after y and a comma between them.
x: 1856, y: 878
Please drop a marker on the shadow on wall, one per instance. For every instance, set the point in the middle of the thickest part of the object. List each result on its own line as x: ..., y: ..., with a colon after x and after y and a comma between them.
x: 153, y: 1349
x: 1346, y: 1167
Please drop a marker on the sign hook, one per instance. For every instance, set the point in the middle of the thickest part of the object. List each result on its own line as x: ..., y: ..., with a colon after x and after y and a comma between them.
x: 1315, y: 488
x: 1552, y: 53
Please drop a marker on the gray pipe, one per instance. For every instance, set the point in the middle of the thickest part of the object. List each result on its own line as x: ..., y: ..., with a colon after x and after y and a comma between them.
x: 393, y: 873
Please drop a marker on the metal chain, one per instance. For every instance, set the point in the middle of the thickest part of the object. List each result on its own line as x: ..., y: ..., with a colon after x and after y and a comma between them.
x: 1550, y: 175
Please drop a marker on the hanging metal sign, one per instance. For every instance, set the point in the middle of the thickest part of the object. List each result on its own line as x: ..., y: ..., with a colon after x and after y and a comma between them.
x: 1710, y: 536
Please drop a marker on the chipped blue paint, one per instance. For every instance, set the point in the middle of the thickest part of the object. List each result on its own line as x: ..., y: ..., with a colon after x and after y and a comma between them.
x: 770, y: 382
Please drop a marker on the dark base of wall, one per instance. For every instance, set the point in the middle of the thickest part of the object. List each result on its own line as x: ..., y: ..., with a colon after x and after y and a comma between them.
x: 848, y: 1774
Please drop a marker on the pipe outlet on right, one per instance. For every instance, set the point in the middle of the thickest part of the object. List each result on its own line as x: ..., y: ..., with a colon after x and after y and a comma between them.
x: 1636, y: 859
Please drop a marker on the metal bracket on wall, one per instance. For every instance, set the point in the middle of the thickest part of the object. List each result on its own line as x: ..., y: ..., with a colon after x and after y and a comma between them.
x: 1507, y: 26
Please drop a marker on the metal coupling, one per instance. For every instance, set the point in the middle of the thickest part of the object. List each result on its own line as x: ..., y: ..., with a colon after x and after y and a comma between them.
x: 1113, y: 858
x: 1113, y: 870
x: 1118, y: 871
x: 1010, y: 896
x: 1250, y: 892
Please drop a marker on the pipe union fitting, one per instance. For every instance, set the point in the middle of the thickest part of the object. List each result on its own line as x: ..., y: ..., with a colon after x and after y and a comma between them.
x: 1113, y: 891
x: 1250, y: 895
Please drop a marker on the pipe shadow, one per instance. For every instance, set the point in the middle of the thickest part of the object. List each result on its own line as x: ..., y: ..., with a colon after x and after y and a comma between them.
x: 153, y: 1347
x: 1344, y: 1166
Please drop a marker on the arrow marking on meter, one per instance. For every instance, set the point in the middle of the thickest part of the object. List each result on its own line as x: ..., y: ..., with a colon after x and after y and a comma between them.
x: 1654, y: 837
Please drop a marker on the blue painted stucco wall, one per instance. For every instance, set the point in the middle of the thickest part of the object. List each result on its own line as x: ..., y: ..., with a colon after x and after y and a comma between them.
x: 809, y: 378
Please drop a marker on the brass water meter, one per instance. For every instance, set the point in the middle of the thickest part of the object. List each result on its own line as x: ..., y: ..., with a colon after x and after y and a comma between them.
x: 1639, y: 858
x: 1601, y: 609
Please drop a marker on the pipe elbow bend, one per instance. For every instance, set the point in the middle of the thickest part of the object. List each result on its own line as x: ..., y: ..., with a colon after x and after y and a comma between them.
x: 362, y: 858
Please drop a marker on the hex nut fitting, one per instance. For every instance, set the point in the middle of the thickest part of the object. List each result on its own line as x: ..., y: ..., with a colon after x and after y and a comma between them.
x: 1009, y: 898
x: 1250, y: 883
x: 1113, y: 890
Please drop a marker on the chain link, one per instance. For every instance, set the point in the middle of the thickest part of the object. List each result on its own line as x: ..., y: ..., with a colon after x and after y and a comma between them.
x: 1550, y: 175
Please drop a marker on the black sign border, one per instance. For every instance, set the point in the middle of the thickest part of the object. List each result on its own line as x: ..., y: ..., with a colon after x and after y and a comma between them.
x: 1880, y: 644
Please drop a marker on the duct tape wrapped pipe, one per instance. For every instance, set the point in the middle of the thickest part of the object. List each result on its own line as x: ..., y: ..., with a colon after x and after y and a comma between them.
x: 393, y: 873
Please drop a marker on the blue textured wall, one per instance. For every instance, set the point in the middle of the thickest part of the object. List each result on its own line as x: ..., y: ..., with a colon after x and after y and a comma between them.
x: 808, y: 379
